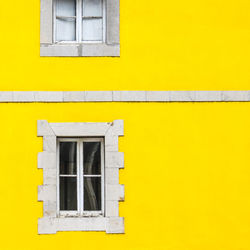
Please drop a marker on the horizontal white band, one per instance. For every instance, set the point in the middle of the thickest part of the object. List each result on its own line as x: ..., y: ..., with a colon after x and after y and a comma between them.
x: 124, y: 96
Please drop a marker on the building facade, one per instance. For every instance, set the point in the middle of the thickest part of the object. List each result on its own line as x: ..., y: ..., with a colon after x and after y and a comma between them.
x: 158, y: 93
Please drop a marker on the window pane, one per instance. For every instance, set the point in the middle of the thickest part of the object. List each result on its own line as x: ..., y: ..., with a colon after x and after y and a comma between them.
x: 65, y: 29
x: 68, y: 193
x: 92, y: 8
x: 92, y: 157
x: 66, y: 8
x: 68, y: 158
x: 92, y: 193
x: 92, y: 29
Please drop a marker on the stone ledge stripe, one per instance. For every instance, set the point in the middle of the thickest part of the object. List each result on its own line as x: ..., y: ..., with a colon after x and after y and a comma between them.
x: 123, y: 96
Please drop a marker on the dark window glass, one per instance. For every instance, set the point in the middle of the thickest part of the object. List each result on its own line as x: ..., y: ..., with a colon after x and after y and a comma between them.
x: 92, y: 158
x: 92, y: 193
x: 68, y: 158
x: 68, y: 193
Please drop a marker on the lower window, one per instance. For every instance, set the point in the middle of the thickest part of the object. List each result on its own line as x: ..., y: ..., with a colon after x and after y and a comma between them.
x: 81, y: 190
x: 80, y: 177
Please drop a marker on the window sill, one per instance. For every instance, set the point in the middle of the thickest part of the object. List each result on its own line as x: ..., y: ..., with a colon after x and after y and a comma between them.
x: 76, y: 215
x: 48, y: 225
x: 79, y: 50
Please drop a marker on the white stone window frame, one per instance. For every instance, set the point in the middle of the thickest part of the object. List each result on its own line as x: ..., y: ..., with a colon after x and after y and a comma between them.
x: 110, y: 47
x: 51, y: 222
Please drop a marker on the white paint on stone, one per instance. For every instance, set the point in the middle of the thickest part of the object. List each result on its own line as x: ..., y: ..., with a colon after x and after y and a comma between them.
x: 49, y: 176
x: 124, y: 96
x: 51, y: 223
x: 47, y: 160
x: 46, y: 21
x: 98, y: 96
x: 111, y: 143
x: 158, y: 96
x: 111, y: 176
x: 23, y: 96
x: 47, y: 225
x: 235, y: 96
x: 129, y: 96
x: 114, y: 159
x: 79, y: 129
x: 6, y: 96
x: 112, y: 209
x: 114, y: 192
x: 115, y: 225
x: 118, y: 127
x: 208, y: 96
x: 49, y: 143
x: 47, y: 193
x: 100, y: 50
x: 49, y: 96
x: 82, y: 224
x: 58, y: 50
x: 182, y: 96
x: 43, y: 128
x: 80, y: 50
x: 113, y: 21
x: 74, y: 96
x: 49, y: 209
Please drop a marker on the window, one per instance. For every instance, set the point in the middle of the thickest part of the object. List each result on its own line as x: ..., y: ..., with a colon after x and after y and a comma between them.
x: 79, y: 21
x: 81, y: 177
x: 79, y: 28
x: 81, y: 190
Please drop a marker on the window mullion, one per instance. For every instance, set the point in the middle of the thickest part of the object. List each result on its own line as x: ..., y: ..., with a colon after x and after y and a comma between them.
x: 81, y: 193
x: 78, y: 20
x: 54, y: 20
x: 78, y: 179
x: 77, y: 7
x: 104, y: 21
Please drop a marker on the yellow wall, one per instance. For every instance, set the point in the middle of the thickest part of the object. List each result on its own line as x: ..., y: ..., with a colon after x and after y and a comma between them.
x: 186, y: 176
x: 165, y: 45
x: 186, y: 164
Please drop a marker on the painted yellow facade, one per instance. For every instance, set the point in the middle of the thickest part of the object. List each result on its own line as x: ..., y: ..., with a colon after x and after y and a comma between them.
x: 167, y: 45
x: 187, y: 174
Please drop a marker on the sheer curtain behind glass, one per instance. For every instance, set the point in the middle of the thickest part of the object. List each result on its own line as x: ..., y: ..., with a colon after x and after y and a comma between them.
x: 65, y: 20
x: 92, y: 176
x: 79, y: 20
x: 92, y: 20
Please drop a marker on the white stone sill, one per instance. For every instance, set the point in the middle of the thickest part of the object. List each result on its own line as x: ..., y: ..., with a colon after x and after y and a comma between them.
x: 80, y: 50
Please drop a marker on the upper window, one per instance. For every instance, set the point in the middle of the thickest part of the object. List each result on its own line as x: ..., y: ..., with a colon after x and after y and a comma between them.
x: 79, y: 21
x: 80, y: 28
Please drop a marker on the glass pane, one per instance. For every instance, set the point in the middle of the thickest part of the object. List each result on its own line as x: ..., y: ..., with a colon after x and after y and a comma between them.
x: 92, y: 30
x: 92, y: 8
x: 92, y: 157
x: 92, y: 193
x: 68, y: 158
x: 68, y: 193
x: 65, y: 29
x: 66, y: 8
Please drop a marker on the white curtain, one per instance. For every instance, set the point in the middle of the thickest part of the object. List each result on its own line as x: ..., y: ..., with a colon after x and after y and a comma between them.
x: 91, y: 19
x: 65, y: 20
